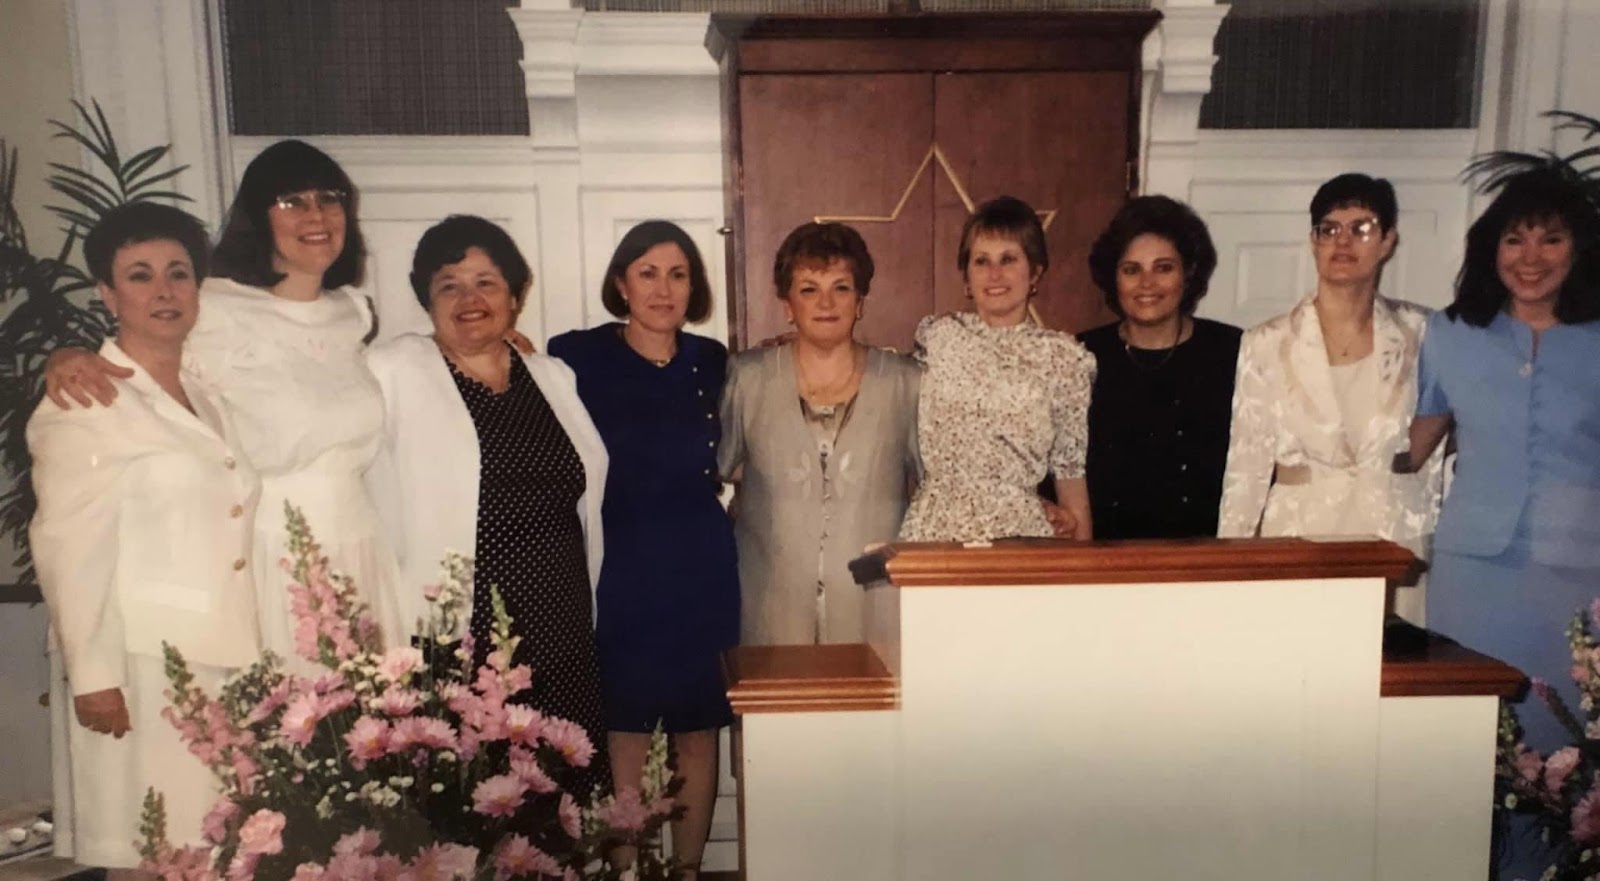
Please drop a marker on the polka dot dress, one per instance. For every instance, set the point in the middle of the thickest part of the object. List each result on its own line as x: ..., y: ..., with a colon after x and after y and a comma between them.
x: 530, y: 546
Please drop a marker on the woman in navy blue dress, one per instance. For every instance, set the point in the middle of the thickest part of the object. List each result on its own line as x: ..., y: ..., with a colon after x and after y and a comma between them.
x: 669, y: 592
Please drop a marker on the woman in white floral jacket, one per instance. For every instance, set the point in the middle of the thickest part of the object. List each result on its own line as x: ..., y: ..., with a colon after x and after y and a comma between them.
x: 1325, y: 394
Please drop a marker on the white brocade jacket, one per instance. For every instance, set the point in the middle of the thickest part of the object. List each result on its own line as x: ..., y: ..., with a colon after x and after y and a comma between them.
x: 1295, y: 468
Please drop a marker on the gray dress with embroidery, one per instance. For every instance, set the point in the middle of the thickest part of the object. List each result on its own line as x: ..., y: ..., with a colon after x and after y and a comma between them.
x: 810, y: 500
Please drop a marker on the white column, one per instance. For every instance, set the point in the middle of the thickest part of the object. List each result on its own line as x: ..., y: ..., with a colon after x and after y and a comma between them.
x: 1178, y: 61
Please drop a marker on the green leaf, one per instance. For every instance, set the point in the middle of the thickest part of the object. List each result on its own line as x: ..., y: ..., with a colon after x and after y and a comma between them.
x: 88, y: 180
x: 142, y: 161
x: 151, y: 181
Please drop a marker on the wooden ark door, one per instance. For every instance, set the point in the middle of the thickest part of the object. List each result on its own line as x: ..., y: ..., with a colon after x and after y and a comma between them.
x: 845, y: 146
x: 899, y: 126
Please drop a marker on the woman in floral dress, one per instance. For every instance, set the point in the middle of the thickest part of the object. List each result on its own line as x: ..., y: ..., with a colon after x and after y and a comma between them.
x: 1004, y: 402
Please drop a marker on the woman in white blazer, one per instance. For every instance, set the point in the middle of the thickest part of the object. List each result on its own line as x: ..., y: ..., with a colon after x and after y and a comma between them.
x: 1325, y: 393
x: 492, y: 454
x: 142, y: 537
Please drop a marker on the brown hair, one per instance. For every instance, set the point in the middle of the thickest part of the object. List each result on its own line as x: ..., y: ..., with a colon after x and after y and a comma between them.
x: 813, y: 243
x: 1005, y: 217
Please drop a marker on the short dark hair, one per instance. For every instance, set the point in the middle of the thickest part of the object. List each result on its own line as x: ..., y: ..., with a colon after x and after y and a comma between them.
x: 1538, y: 196
x: 814, y: 243
x: 634, y: 244
x: 244, y: 250
x: 1159, y: 216
x: 1005, y: 217
x: 138, y: 222
x: 1351, y: 190
x: 448, y: 241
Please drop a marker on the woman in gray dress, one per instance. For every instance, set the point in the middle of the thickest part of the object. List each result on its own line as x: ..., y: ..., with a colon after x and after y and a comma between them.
x: 819, y: 434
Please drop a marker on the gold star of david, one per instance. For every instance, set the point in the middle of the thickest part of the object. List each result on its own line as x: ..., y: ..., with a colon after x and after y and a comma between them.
x: 934, y: 153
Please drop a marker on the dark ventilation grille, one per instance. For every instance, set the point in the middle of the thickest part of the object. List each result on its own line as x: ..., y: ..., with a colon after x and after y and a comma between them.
x: 373, y: 67
x: 751, y: 7
x: 1346, y: 64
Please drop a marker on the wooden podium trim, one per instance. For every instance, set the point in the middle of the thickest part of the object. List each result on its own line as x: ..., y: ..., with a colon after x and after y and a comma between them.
x: 1447, y: 668
x: 808, y: 679
x: 851, y: 677
x: 1049, y: 561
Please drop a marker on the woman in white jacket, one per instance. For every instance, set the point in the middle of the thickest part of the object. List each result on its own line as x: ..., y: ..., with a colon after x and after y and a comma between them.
x: 142, y: 537
x: 1324, y: 396
x: 492, y: 454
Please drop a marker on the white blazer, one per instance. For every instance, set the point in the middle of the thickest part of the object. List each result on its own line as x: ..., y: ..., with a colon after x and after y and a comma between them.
x: 424, y: 480
x: 1294, y: 467
x: 143, y: 531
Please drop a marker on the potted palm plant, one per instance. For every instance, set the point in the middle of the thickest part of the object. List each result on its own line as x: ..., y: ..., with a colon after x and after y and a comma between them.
x: 47, y: 301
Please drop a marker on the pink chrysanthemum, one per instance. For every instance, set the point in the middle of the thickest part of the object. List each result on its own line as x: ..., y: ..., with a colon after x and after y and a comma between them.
x: 300, y: 720
x: 526, y: 768
x: 361, y: 842
x: 1586, y: 819
x: 400, y: 662
x: 262, y: 833
x: 523, y: 725
x: 367, y: 739
x: 499, y: 796
x: 518, y: 857
x: 571, y: 816
x: 569, y: 739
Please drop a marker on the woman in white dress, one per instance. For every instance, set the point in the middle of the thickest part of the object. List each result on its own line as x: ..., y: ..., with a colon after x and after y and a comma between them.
x: 142, y: 537
x: 1324, y: 396
x: 281, y: 337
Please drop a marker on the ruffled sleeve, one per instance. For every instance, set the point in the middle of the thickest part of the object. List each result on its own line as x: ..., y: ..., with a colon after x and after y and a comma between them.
x: 1069, y: 410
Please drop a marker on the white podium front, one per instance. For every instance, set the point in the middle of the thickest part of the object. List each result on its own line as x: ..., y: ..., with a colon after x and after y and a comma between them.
x: 1198, y: 710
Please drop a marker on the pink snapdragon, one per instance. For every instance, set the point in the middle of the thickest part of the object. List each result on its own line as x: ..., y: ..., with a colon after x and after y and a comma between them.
x: 1529, y: 766
x: 1586, y: 819
x: 215, y: 825
x: 499, y: 796
x: 625, y: 811
x: 1559, y: 767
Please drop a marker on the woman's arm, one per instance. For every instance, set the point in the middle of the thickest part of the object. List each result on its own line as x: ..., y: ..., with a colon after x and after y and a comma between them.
x: 81, y: 375
x: 1426, y: 433
x: 73, y: 538
x: 1073, y: 495
x: 1251, y: 446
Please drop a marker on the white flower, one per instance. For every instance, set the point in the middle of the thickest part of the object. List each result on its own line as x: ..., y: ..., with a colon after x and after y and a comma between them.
x: 325, y: 808
x: 437, y: 787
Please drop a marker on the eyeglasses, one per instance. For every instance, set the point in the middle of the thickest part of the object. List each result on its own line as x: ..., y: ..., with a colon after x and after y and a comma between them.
x: 302, y: 202
x: 1363, y: 230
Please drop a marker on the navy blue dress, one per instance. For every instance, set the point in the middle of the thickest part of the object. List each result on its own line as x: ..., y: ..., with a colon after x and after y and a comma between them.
x: 669, y: 587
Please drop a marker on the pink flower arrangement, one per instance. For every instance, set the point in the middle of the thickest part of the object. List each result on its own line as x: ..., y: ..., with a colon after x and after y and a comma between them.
x: 1561, y: 791
x: 394, y: 765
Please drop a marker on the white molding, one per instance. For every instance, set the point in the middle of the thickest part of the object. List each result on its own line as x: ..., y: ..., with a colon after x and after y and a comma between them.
x: 644, y: 44
x: 549, y: 68
x: 1178, y: 61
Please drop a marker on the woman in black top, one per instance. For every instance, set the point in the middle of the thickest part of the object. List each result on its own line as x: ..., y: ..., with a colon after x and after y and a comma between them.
x: 1159, y: 414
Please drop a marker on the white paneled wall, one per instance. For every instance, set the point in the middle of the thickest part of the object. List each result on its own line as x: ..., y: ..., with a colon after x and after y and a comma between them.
x: 1254, y: 188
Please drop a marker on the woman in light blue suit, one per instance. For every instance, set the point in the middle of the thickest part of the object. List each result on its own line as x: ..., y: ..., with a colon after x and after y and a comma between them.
x: 1514, y: 365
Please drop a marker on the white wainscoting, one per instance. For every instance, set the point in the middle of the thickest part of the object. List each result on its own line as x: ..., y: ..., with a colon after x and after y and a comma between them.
x: 1254, y: 189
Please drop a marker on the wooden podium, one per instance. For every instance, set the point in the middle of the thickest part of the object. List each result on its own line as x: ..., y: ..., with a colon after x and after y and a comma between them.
x: 1217, y: 709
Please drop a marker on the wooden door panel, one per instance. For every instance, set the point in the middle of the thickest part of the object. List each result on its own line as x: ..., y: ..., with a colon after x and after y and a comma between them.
x: 1057, y: 140
x: 843, y: 146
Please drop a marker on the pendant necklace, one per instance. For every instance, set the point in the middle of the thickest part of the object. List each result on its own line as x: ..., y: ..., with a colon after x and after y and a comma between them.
x: 1128, y: 348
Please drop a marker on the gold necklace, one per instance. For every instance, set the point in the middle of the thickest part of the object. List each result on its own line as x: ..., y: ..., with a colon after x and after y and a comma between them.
x: 659, y: 362
x: 1127, y: 348
x: 820, y: 395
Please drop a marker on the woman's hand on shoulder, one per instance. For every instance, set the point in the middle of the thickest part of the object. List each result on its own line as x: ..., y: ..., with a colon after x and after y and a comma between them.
x: 520, y: 342
x: 103, y: 712
x: 81, y: 375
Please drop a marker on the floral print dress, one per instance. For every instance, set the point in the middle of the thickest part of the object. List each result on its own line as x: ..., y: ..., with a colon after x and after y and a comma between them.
x: 1000, y: 409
